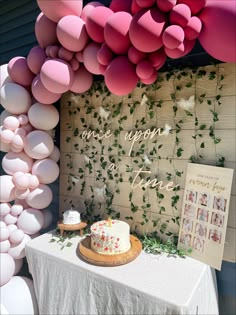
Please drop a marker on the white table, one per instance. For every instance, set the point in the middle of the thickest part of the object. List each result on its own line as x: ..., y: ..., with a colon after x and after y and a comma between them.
x: 64, y: 284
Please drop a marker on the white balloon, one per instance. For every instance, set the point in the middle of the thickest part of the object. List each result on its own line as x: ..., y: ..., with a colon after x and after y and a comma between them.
x: 4, y: 76
x: 5, y: 208
x: 17, y: 236
x: 47, y: 216
x: 55, y: 155
x: 40, y: 197
x: 39, y: 144
x: 7, y: 268
x: 17, y: 162
x: 4, y: 234
x: 18, y: 251
x: 30, y: 221
x: 46, y: 170
x: 4, y: 246
x: 12, y: 227
x: 10, y: 219
x: 7, y: 188
x: 37, y: 114
x: 16, y: 209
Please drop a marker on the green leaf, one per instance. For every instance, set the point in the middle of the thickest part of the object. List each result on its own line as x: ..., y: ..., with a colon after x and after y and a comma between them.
x: 179, y: 152
x: 202, y: 127
x: 202, y: 145
x: 188, y: 85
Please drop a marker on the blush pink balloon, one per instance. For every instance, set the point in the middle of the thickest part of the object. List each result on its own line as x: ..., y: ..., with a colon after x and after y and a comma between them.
x: 36, y: 58
x: 7, y: 188
x: 88, y: 7
x: 47, y: 171
x: 45, y: 31
x: 55, y: 155
x: 96, y: 21
x: 144, y: 69
x: 15, y: 149
x: 141, y: 29
x: 22, y: 181
x: 121, y: 5
x: 4, y: 147
x: 23, y: 119
x: 39, y: 144
x: 41, y: 94
x: 22, y: 193
x: 71, y: 33
x: 10, y: 219
x: 7, y: 268
x: 33, y: 182
x: 5, y: 208
x: 56, y: 75
x: 16, y: 209
x: 19, y: 71
x: 40, y: 197
x: 27, y: 128
x: 182, y: 50
x: 104, y: 55
x: 18, y: 266
x: 37, y: 114
x: 4, y: 234
x: 7, y: 135
x: 52, y: 51
x: 145, y: 3
x: 62, y: 8
x: 173, y: 36
x: 74, y: 63
x: 116, y: 34
x: 218, y: 30
x: 79, y: 56
x: 166, y: 5
x: 193, y: 28
x: 195, y: 6
x: 180, y: 15
x: 135, y: 55
x: 17, y: 236
x: 65, y: 54
x: 157, y: 58
x: 11, y: 122
x: 47, y: 218
x: 18, y: 142
x: 90, y: 57
x: 17, y: 162
x: 12, y: 227
x: 17, y: 251
x: 4, y: 246
x: 120, y: 76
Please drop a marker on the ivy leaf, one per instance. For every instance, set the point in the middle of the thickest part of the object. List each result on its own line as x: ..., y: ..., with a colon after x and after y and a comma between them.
x: 188, y: 113
x: 188, y: 85
x: 179, y: 152
x: 202, y: 145
x: 202, y: 127
x: 69, y: 244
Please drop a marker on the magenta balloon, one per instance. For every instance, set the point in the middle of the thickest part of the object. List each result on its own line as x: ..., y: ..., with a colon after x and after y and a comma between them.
x: 40, y: 197
x: 218, y: 30
x: 180, y: 15
x: 17, y: 162
x: 56, y: 75
x: 121, y: 5
x: 65, y: 54
x: 7, y: 268
x: 41, y: 94
x: 74, y: 63
x: 120, y: 76
x: 151, y: 79
x: 90, y: 57
x: 135, y: 8
x: 182, y: 50
x: 135, y: 55
x: 56, y: 11
x: 30, y: 221
x: 116, y: 34
x: 145, y: 3
x: 19, y: 71
x: 35, y: 59
x: 142, y: 28
x: 144, y: 69
x: 195, y: 6
x: 96, y: 21
x: 45, y: 31
x: 193, y: 28
x: 39, y: 144
x: 83, y: 80
x: 71, y: 33
x: 173, y: 36
x: 166, y: 5
x: 88, y: 7
x: 104, y: 55
x: 46, y: 170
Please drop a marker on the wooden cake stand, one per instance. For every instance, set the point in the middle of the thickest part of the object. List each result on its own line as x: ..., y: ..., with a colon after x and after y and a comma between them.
x: 71, y: 227
x: 87, y: 254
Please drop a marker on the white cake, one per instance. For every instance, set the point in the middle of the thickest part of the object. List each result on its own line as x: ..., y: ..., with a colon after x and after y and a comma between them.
x: 71, y: 217
x: 110, y: 239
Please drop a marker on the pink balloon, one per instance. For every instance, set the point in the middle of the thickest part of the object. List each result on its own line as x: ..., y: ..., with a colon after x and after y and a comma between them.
x: 120, y: 76
x: 88, y: 7
x: 102, y: 69
x: 7, y: 135
x: 135, y: 55
x: 23, y: 119
x: 166, y: 5
x: 21, y: 202
x: 33, y: 182
x: 195, y: 6
x: 145, y: 3
x: 157, y: 58
x: 79, y: 56
x: 180, y: 15
x: 19, y: 71
x: 47, y: 218
x: 30, y: 221
x: 16, y: 209
x: 180, y: 51
x: 22, y: 181
x: 17, y: 236
x: 116, y: 34
x: 7, y: 189
x: 56, y: 75
x: 65, y: 54
x: 193, y: 28
x: 11, y: 122
x: 27, y: 128
x: 12, y: 227
x: 2, y: 223
x: 4, y: 247
x: 141, y: 30
x: 121, y: 5
x: 62, y: 8
x: 144, y: 69
x: 41, y: 94
x: 40, y: 197
x: 18, y: 266
x: 37, y: 114
x: 96, y: 21
x: 7, y: 268
x: 5, y: 78
x: 74, y: 64
x: 18, y: 141
x: 104, y: 55
x: 52, y: 51
x: 71, y: 32
x: 135, y: 8
x: 55, y: 155
x: 45, y: 31
x: 39, y: 144
x: 10, y: 219
x: 17, y: 251
x: 5, y: 208
x: 218, y: 30
x: 36, y: 58
x: 4, y: 147
x: 46, y: 170
x: 90, y: 57
x: 16, y: 162
x: 4, y: 234
x: 173, y: 36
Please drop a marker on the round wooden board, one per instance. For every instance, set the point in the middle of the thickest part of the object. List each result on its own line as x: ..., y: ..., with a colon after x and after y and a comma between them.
x: 71, y: 227
x: 87, y: 254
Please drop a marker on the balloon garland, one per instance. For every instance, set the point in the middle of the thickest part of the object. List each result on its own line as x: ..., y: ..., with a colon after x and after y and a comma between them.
x: 127, y: 42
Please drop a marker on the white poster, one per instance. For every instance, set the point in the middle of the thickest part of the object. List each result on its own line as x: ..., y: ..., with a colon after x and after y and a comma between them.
x: 205, y: 212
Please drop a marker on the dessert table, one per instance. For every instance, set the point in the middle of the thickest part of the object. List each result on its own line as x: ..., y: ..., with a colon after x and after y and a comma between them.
x: 151, y: 284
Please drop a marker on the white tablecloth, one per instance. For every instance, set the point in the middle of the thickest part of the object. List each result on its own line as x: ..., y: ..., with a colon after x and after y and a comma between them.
x: 65, y: 284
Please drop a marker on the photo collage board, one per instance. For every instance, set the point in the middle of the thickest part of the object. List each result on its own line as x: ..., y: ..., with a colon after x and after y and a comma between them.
x: 205, y: 212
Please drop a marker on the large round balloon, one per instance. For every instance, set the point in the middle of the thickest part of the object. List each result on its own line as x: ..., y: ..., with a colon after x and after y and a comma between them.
x: 41, y: 94
x: 56, y: 75
x: 120, y: 76
x: 17, y: 236
x: 39, y: 144
x: 35, y: 59
x: 146, y: 29
x: 45, y: 31
x: 7, y: 268
x: 18, y: 296
x: 30, y: 221
x: 15, y: 98
x: 195, y: 6
x: 96, y: 21
x: 116, y: 34
x: 19, y: 71
x: 16, y: 162
x: 193, y: 28
x: 37, y: 114
x: 219, y: 29
x: 4, y: 75
x: 46, y: 170
x: 88, y: 7
x: 90, y: 57
x: 40, y: 197
x: 4, y: 246
x: 71, y: 32
x: 145, y: 3
x: 7, y: 188
x: 180, y: 15
x: 83, y: 80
